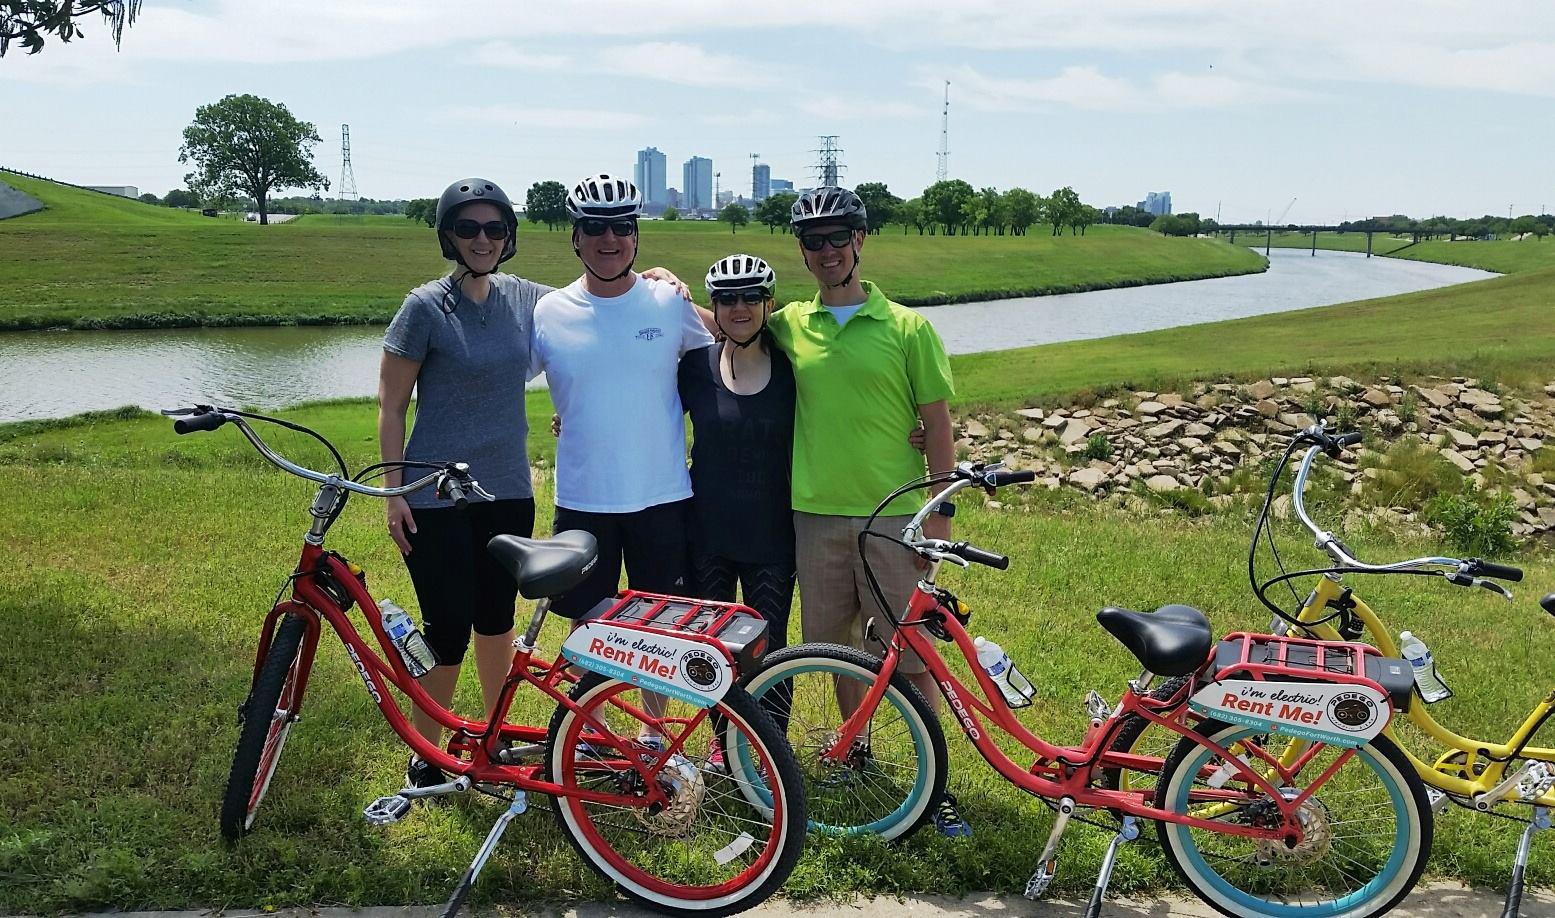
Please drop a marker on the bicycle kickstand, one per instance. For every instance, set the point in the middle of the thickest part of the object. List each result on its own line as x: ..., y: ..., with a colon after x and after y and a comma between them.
x: 1047, y: 865
x: 516, y: 808
x: 1127, y: 833
x: 1514, y: 895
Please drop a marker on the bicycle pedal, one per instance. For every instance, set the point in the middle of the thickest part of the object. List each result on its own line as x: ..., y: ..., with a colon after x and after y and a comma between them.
x: 1096, y: 706
x: 386, y: 811
x: 1042, y: 879
x: 1435, y: 800
x: 1537, y: 782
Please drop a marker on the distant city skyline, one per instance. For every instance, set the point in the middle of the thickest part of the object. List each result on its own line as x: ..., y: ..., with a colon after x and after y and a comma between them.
x: 697, y: 183
x: 1352, y: 110
x: 648, y: 176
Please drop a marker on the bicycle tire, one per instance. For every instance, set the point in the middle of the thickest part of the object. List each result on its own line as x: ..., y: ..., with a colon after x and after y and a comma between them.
x: 923, y: 728
x: 1406, y: 851
x: 737, y: 719
x: 261, y: 740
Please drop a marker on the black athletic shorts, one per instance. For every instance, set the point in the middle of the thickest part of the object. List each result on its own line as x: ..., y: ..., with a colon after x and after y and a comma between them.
x: 459, y: 585
x: 651, y: 542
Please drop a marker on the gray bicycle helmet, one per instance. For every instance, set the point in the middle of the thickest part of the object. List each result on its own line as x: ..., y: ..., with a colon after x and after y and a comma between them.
x: 828, y: 204
x: 740, y: 272
x: 604, y: 197
x: 470, y: 191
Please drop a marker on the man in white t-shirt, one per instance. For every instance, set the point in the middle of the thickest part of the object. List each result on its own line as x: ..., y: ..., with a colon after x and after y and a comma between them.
x: 610, y: 345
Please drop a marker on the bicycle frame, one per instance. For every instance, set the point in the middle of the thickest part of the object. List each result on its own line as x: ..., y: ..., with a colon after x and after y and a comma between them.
x: 382, y: 668
x: 1497, y: 757
x: 1067, y: 771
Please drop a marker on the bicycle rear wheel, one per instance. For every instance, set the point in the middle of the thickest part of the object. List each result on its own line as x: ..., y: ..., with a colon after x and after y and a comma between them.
x: 266, y: 719
x: 1366, y: 830
x: 703, y: 847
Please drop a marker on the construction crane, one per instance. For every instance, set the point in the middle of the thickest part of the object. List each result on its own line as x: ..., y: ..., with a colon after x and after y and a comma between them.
x: 1281, y: 220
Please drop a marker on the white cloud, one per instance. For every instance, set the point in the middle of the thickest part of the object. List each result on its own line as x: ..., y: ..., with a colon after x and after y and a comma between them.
x: 510, y: 55
x: 852, y: 108
x: 1088, y: 88
x: 559, y: 119
x: 688, y: 65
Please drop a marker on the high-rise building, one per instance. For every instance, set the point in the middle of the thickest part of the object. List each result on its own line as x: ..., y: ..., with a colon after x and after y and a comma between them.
x: 761, y: 182
x: 649, y: 175
x: 1158, y: 203
x: 779, y: 184
x: 698, y: 182
x: 672, y: 197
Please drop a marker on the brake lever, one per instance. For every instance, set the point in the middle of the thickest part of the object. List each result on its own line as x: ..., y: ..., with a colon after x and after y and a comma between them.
x: 186, y: 412
x: 1494, y: 587
x: 475, y: 486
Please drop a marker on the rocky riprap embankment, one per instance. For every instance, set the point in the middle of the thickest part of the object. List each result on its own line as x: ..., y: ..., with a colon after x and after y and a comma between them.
x: 1165, y: 442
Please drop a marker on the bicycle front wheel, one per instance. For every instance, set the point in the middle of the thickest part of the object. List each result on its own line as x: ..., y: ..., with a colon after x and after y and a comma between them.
x: 266, y: 719
x: 687, y: 838
x: 1366, y: 831
x: 895, y: 770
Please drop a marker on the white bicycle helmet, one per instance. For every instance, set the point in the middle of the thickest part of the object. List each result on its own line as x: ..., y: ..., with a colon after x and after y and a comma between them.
x: 828, y: 204
x: 740, y: 272
x: 604, y: 197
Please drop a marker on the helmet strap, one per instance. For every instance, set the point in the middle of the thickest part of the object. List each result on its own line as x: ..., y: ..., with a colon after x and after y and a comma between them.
x: 579, y: 252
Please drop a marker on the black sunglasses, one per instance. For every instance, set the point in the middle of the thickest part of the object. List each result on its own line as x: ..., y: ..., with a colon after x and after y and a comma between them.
x: 751, y: 297
x: 815, y: 241
x: 594, y: 227
x: 496, y: 230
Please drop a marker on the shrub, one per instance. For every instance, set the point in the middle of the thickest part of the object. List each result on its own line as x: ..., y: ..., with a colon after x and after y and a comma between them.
x: 1409, y: 474
x: 1475, y: 526
x: 1408, y: 408
x: 1097, y: 447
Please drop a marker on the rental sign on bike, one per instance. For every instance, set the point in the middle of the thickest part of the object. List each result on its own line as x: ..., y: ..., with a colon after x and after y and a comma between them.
x: 681, y: 668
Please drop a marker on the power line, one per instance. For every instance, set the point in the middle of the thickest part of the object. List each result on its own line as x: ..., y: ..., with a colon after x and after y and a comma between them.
x: 347, y: 189
x: 943, y: 171
x: 828, y: 167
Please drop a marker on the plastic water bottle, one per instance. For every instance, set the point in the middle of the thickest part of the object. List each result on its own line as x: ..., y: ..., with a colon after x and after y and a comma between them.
x: 1017, y: 690
x: 407, y: 639
x: 1431, y: 686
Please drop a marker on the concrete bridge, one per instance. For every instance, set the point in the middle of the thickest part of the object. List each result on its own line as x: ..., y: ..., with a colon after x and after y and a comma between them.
x: 1267, y: 232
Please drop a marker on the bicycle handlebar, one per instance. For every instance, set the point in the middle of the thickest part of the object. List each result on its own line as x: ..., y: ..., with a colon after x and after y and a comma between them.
x: 208, y: 421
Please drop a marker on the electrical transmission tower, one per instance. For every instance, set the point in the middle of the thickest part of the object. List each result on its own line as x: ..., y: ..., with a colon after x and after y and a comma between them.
x: 827, y: 166
x: 942, y: 172
x: 347, y: 189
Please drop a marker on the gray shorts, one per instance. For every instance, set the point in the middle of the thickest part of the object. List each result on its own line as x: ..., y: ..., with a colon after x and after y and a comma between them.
x: 834, y: 597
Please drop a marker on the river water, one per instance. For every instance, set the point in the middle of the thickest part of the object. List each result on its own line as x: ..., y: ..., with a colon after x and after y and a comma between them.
x: 53, y: 374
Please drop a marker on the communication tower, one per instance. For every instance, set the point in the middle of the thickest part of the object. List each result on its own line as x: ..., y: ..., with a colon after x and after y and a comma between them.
x: 828, y: 167
x: 943, y: 171
x: 347, y: 189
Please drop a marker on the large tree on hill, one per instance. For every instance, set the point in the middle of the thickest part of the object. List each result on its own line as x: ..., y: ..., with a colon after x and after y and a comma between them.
x: 1022, y: 209
x: 948, y: 203
x: 248, y: 145
x: 1062, y: 208
x: 423, y: 209
x: 28, y: 22
x: 546, y: 203
x: 776, y: 210
x: 180, y: 197
x: 879, y: 204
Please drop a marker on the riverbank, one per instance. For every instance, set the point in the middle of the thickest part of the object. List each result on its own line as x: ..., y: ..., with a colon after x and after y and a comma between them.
x: 1503, y: 256
x: 176, y: 544
x: 89, y: 263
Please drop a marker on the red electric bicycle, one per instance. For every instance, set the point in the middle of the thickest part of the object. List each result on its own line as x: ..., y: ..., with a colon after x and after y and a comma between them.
x: 642, y: 796
x: 1342, y: 832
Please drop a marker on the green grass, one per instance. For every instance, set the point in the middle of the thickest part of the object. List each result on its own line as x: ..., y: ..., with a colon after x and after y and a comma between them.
x: 1504, y: 256
x: 93, y: 261
x: 139, y: 563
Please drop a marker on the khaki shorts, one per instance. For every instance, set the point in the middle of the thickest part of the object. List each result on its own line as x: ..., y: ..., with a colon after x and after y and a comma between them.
x: 834, y: 596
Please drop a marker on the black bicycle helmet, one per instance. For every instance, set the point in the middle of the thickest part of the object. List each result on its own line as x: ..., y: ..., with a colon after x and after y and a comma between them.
x: 470, y: 191
x: 828, y: 204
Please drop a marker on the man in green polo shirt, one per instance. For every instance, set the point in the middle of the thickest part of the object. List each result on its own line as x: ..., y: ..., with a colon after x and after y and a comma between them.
x: 867, y: 370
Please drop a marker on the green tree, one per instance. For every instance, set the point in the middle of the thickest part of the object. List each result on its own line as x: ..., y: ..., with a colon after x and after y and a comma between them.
x: 948, y: 204
x: 775, y: 210
x: 671, y: 214
x: 1022, y: 209
x: 1524, y: 224
x: 423, y: 209
x: 1062, y: 208
x: 149, y: 198
x: 180, y: 197
x: 30, y: 21
x: 910, y: 213
x: 1082, y: 218
x: 547, y: 203
x: 248, y: 145
x: 990, y: 211
x: 879, y: 203
x: 735, y: 215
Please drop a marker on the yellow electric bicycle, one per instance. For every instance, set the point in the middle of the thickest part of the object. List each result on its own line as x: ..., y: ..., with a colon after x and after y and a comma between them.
x: 1476, y: 774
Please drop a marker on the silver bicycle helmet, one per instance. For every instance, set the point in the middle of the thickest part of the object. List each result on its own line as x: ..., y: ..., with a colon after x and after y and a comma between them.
x: 740, y: 272
x: 605, y: 197
x: 828, y: 204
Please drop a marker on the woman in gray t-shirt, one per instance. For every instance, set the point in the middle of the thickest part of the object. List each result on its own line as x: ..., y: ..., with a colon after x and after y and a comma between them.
x: 462, y: 343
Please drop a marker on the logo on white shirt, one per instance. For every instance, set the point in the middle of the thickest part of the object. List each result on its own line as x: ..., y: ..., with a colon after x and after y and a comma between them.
x: 648, y: 334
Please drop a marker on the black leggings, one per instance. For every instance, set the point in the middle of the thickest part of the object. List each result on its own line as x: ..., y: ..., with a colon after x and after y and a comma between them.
x: 459, y: 585
x: 767, y: 588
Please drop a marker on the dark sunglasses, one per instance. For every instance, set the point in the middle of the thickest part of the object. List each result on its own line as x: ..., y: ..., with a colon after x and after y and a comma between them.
x: 496, y: 230
x: 598, y: 227
x: 750, y: 297
x: 815, y: 241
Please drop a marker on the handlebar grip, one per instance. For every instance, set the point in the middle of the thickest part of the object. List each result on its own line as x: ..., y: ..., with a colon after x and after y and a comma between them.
x: 1498, y: 571
x: 208, y: 421
x: 456, y: 492
x: 1002, y: 477
x: 979, y: 556
x: 1347, y: 439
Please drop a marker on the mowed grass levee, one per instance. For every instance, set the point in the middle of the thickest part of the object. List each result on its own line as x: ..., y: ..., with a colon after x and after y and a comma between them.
x: 90, y: 261
x: 140, y: 564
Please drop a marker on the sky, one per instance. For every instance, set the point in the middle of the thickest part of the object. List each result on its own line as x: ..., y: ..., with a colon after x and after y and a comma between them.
x: 1349, y: 109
